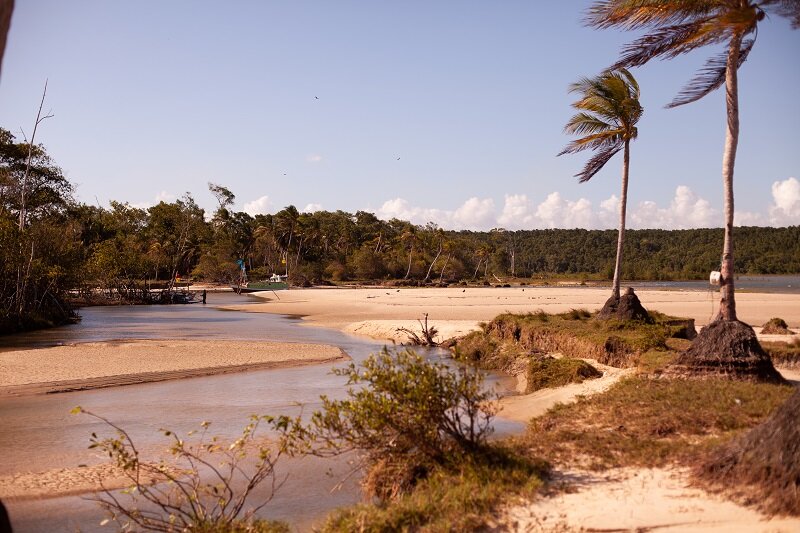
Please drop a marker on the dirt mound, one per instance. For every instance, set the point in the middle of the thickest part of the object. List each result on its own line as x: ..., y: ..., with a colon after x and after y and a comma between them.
x: 626, y: 307
x: 762, y: 467
x: 728, y: 349
x: 776, y: 326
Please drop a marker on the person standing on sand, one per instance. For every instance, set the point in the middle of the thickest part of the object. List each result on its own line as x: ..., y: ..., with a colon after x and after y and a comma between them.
x: 204, y: 296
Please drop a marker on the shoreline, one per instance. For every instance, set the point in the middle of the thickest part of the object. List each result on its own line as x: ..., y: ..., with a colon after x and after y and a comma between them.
x: 377, y: 313
x: 93, y: 365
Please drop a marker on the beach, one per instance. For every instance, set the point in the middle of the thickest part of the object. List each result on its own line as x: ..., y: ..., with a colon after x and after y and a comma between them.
x: 454, y: 311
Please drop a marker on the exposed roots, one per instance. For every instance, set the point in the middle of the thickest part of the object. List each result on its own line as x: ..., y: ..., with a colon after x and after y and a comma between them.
x: 762, y: 467
x: 726, y: 349
x: 626, y: 307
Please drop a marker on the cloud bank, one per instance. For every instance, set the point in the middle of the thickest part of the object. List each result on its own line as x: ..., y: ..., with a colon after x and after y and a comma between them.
x: 685, y: 210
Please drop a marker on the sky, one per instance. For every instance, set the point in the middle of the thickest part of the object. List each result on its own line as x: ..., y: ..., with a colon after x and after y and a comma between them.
x: 448, y: 111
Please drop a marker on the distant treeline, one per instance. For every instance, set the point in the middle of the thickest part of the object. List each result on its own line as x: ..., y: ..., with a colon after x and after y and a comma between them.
x: 51, y: 244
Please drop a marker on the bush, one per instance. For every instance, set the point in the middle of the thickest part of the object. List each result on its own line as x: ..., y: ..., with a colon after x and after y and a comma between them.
x: 411, y: 417
x: 204, y: 488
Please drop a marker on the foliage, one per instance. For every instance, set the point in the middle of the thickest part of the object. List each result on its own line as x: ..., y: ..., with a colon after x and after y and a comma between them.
x: 405, y: 416
x: 609, y: 109
x: 205, y: 486
x: 450, y: 500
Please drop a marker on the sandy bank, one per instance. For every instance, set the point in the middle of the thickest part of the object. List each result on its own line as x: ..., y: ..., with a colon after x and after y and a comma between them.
x: 634, y: 499
x: 112, y: 363
x: 378, y: 312
x: 523, y: 407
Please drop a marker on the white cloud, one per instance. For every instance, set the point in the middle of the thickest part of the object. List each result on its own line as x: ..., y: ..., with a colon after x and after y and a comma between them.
x: 475, y: 213
x: 260, y: 206
x: 786, y: 208
x: 314, y: 158
x: 163, y: 196
x: 686, y: 210
x: 312, y: 208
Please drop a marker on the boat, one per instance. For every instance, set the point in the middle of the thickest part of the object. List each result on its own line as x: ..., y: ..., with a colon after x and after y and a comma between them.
x: 274, y: 283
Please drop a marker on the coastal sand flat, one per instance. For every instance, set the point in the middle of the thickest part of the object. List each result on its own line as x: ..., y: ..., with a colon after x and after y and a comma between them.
x: 372, y: 311
x: 111, y: 363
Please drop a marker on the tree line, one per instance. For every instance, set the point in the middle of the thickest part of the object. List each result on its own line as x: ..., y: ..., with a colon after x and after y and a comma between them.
x: 65, y: 246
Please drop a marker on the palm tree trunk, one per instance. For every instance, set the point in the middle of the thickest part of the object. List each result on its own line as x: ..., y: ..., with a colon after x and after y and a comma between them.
x: 408, y: 272
x: 727, y: 304
x: 623, y: 205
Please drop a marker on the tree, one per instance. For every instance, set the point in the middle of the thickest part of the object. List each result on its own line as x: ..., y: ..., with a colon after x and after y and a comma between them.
x: 609, y: 109
x: 681, y: 26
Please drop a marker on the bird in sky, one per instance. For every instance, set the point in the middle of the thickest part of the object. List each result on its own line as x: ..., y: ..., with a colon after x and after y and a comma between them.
x: 316, y: 98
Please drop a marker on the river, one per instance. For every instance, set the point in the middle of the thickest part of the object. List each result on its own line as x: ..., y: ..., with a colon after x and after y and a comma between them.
x: 39, y: 433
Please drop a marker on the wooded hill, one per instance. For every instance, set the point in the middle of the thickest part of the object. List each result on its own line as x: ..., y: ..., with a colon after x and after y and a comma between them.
x: 50, y: 243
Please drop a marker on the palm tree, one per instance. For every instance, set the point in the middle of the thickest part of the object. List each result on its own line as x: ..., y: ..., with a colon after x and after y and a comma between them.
x: 726, y: 346
x: 680, y: 26
x: 609, y: 109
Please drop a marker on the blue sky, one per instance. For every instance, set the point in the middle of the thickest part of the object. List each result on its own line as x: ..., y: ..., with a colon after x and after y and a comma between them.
x: 311, y: 103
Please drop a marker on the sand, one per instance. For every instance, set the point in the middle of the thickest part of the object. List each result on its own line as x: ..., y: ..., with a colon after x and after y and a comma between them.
x: 378, y: 312
x: 112, y: 363
x: 635, y: 499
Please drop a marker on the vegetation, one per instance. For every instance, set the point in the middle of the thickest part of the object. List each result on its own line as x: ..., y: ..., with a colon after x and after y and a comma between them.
x: 617, y: 343
x: 407, y: 418
x: 776, y: 326
x: 651, y: 422
x: 206, y: 485
x: 609, y: 110
x: 762, y: 467
x: 677, y: 27
x: 67, y: 250
x: 549, y: 372
x: 784, y: 354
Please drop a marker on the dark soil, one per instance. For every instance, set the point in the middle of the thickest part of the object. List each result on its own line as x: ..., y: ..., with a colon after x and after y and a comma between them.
x: 726, y: 349
x: 762, y: 467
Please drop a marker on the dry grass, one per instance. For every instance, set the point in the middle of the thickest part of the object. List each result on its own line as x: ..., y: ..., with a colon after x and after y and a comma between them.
x: 651, y: 422
x: 762, y: 467
x: 783, y: 354
x: 549, y: 372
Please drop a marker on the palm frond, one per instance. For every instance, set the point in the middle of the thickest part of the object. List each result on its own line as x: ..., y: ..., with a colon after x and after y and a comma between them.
x: 710, y: 78
x: 786, y: 8
x: 669, y: 42
x: 598, y: 161
x: 598, y: 141
x: 635, y: 14
x: 584, y: 123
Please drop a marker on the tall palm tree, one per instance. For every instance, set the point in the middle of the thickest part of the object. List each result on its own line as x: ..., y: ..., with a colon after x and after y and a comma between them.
x: 680, y: 26
x: 609, y: 109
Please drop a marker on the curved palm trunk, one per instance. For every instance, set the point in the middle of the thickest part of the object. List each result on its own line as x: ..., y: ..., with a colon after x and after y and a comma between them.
x: 727, y: 305
x: 623, y: 205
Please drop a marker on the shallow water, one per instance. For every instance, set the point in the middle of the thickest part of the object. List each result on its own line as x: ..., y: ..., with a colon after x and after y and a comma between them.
x: 39, y: 433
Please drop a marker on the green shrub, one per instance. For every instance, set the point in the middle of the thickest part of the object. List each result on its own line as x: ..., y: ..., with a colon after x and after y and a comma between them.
x: 405, y: 416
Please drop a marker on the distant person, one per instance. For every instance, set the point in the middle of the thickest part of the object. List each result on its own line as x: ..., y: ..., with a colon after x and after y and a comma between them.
x: 204, y: 296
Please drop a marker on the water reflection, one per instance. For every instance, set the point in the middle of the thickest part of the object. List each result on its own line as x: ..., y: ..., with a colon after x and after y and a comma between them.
x: 39, y: 434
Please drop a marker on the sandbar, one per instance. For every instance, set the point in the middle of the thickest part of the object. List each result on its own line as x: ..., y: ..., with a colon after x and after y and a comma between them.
x: 112, y: 363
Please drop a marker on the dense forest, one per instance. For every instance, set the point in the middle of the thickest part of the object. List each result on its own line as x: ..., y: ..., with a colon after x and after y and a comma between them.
x: 52, y: 245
